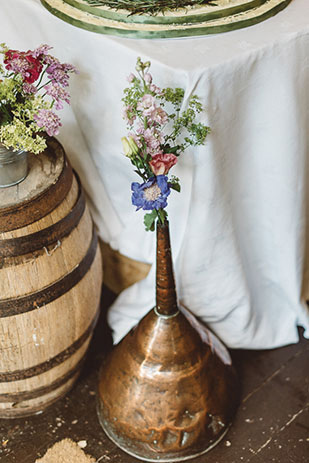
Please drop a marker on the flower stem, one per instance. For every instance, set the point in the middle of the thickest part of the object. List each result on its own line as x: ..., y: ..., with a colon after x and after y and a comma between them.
x: 41, y: 78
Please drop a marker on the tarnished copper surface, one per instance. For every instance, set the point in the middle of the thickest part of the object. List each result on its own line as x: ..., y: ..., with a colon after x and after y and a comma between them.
x: 164, y: 394
x: 166, y: 299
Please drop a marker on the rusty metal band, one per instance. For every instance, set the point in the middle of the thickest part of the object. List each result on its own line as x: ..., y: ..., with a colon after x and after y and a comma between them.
x: 19, y: 375
x: 49, y: 235
x: 23, y: 304
x: 41, y: 391
x: 36, y: 208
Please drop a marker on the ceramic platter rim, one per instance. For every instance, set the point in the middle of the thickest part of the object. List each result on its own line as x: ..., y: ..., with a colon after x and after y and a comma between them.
x: 185, y: 22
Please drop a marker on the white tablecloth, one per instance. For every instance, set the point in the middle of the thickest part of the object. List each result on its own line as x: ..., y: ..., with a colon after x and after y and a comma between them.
x: 239, y: 227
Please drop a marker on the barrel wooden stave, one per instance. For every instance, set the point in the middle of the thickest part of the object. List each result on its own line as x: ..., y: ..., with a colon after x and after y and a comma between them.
x: 42, y: 345
x: 27, y: 273
x: 65, y: 318
x: 54, y: 216
x: 43, y: 389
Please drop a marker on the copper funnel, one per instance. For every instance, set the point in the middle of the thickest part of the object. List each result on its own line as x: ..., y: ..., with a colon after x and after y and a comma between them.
x: 167, y: 392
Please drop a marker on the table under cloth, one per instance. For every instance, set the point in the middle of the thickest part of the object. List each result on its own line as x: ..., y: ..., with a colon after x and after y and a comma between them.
x: 239, y: 228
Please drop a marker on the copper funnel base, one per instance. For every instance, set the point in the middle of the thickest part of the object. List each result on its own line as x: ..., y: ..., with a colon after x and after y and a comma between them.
x: 168, y: 391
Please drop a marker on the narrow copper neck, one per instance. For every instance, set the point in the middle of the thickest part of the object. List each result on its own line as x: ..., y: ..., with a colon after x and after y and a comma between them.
x: 166, y: 303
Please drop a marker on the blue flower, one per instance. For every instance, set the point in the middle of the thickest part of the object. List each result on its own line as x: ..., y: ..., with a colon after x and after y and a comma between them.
x: 151, y: 194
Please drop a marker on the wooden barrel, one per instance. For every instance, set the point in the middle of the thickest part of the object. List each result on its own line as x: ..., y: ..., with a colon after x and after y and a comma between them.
x: 50, y: 284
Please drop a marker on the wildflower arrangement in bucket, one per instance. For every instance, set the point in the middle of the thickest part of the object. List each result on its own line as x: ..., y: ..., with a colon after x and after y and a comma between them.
x: 33, y: 85
x: 159, y: 132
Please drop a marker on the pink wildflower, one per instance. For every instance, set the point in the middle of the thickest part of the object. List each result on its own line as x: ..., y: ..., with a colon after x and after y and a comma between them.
x: 158, y: 115
x: 128, y: 116
x: 153, y: 88
x: 136, y: 139
x: 147, y: 104
x: 148, y: 78
x: 29, y: 88
x: 131, y: 77
x: 59, y: 72
x: 58, y: 93
x: 41, y: 50
x: 152, y: 141
x: 48, y: 120
x: 152, y: 138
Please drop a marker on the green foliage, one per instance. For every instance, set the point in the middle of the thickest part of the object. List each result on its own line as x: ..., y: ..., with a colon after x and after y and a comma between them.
x: 174, y: 96
x: 174, y: 183
x: 184, y: 131
x: 17, y: 134
x: 151, y: 7
x: 150, y: 220
x: 17, y: 126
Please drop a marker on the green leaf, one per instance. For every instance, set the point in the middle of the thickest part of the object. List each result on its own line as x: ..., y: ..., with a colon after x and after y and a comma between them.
x: 139, y: 173
x: 175, y: 186
x: 150, y: 219
x: 162, y: 215
x: 169, y: 149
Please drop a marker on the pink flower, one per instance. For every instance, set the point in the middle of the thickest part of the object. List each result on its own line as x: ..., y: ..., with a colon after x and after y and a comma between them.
x: 152, y: 137
x: 158, y: 115
x: 162, y: 163
x: 152, y: 140
x: 148, y: 78
x: 29, y: 88
x: 147, y: 104
x: 136, y: 139
x: 48, y: 120
x: 58, y: 72
x: 23, y: 63
x: 41, y: 50
x: 131, y: 77
x: 127, y: 115
x: 58, y: 93
x: 153, y: 88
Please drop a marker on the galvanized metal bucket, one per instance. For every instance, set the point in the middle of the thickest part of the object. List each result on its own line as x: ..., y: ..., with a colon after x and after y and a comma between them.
x: 13, y: 166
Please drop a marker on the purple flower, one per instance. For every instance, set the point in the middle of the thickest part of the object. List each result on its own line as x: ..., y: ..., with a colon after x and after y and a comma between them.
x: 41, y: 50
x: 48, y: 120
x: 58, y: 72
x: 58, y: 93
x: 29, y: 88
x: 151, y: 194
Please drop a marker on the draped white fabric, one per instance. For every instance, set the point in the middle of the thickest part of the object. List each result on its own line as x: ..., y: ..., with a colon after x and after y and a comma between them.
x: 239, y: 226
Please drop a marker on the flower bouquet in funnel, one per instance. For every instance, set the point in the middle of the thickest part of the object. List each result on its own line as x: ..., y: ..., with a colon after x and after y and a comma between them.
x: 159, y: 132
x: 167, y: 391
